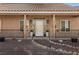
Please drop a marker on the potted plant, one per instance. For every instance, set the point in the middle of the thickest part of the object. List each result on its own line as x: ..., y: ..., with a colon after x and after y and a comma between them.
x: 44, y: 34
x: 31, y: 33
x: 47, y: 33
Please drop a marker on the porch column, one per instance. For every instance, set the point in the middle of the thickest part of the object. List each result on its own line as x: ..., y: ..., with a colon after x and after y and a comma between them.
x: 25, y: 26
x: 54, y: 22
x: 0, y: 25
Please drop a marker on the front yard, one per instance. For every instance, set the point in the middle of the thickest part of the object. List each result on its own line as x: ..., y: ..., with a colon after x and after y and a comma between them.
x: 27, y: 47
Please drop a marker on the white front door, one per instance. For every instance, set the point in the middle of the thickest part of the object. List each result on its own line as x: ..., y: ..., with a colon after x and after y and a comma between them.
x: 39, y: 28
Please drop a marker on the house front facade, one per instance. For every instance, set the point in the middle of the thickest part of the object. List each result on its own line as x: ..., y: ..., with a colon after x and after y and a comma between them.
x: 38, y: 20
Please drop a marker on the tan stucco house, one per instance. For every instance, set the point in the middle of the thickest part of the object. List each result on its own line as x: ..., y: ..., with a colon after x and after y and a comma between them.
x: 38, y: 20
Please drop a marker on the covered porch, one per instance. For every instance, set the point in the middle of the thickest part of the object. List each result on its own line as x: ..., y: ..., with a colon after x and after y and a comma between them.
x: 46, y: 25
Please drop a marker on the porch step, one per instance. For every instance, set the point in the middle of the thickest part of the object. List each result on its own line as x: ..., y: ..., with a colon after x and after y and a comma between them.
x: 44, y: 38
x: 40, y: 38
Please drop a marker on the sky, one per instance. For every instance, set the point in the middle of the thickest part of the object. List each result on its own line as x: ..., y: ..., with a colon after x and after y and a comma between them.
x: 73, y: 4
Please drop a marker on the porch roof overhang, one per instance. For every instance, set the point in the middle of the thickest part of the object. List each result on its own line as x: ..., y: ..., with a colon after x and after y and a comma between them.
x: 40, y: 13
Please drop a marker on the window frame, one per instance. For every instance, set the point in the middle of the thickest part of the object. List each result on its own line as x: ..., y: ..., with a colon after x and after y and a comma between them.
x: 20, y: 26
x: 65, y: 25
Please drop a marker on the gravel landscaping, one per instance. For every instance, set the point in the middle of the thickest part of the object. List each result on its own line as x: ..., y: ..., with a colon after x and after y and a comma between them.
x: 60, y: 45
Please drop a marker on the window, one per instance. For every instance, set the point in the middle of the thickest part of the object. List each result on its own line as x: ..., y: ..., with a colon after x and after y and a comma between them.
x: 31, y: 24
x: 21, y: 25
x: 47, y: 21
x: 65, y: 25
